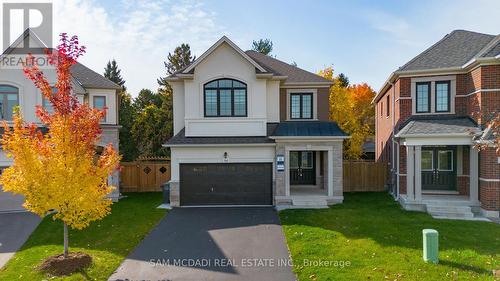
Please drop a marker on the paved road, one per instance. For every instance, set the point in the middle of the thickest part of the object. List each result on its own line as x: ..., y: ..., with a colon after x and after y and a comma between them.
x: 15, y: 228
x: 211, y: 244
x: 10, y: 202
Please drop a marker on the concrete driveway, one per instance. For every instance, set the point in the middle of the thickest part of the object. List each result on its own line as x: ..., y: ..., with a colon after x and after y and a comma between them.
x: 211, y: 244
x: 15, y: 228
x: 10, y: 202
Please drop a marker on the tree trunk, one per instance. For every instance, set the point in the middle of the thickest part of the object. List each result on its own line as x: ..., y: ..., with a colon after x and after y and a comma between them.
x: 65, y: 240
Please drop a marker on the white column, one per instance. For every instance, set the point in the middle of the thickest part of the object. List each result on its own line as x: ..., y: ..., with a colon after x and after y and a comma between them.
x: 418, y: 173
x: 287, y: 171
x: 330, y: 171
x: 410, y: 170
x: 474, y: 175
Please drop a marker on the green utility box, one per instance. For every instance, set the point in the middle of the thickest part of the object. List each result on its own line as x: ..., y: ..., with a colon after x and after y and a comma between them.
x: 431, y: 245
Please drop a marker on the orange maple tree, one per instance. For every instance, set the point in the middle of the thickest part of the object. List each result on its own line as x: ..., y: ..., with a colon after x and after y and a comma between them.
x: 353, y: 111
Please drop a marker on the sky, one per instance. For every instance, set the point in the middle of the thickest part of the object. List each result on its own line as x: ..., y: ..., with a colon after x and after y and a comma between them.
x: 366, y: 40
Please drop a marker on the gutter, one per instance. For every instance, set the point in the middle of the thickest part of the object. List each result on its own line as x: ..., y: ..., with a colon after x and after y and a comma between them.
x: 219, y: 144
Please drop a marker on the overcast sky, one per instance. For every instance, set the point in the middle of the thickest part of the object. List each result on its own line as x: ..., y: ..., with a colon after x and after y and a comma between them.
x: 366, y: 40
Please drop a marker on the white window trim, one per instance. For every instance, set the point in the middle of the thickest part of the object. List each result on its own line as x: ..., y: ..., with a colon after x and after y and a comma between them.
x: 105, y: 118
x: 433, y: 80
x: 315, y: 103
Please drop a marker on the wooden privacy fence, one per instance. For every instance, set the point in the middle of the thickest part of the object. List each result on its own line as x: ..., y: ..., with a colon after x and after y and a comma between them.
x: 362, y: 176
x: 147, y: 175
x: 144, y: 176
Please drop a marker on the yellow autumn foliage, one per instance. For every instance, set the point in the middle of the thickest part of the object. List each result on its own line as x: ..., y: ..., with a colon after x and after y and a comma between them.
x: 58, y: 172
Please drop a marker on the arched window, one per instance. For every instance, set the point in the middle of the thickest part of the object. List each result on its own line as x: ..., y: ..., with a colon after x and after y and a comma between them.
x: 225, y: 98
x: 9, y: 98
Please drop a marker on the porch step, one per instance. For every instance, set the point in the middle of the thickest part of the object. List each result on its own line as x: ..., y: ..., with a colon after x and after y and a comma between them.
x: 450, y: 211
x: 309, y: 203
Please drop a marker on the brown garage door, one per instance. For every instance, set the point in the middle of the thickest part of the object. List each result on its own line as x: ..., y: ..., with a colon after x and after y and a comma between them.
x: 226, y: 184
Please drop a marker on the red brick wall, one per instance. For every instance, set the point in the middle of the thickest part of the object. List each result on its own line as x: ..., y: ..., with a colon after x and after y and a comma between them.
x: 467, y: 102
x: 490, y: 77
x: 488, y: 164
x: 465, y: 160
x: 383, y: 127
x: 402, y: 184
x: 489, y: 169
x: 489, y: 195
x: 463, y: 185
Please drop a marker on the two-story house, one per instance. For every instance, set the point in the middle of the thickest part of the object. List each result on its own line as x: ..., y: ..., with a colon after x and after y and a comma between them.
x: 430, y: 113
x: 252, y: 130
x: 16, y: 90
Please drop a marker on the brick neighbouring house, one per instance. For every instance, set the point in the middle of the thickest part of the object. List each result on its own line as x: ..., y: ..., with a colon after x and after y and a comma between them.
x: 426, y: 113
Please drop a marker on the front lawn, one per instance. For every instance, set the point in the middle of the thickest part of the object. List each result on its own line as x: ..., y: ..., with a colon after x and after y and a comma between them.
x: 108, y: 241
x: 383, y: 242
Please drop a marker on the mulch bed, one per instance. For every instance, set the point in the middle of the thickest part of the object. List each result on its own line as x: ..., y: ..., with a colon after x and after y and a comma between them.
x: 59, y: 266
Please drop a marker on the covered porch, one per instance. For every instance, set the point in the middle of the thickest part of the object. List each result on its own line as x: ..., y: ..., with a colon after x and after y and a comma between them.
x: 309, y: 164
x: 442, y: 168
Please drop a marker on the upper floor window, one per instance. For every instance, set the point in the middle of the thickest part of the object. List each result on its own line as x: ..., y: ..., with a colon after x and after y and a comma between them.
x: 423, y: 98
x: 99, y: 102
x: 442, y: 96
x: 225, y: 98
x: 9, y: 98
x: 301, y: 106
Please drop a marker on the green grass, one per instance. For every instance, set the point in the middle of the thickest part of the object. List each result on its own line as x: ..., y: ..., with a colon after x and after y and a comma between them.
x: 108, y: 241
x: 383, y: 242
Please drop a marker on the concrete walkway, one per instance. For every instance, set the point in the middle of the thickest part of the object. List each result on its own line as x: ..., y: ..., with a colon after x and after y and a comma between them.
x: 15, y: 228
x: 212, y: 244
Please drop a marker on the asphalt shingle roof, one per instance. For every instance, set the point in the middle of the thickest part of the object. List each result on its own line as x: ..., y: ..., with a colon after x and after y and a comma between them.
x: 281, y: 68
x: 454, y: 50
x: 88, y: 78
x: 278, y: 68
x: 308, y: 129
x: 437, y: 125
x: 493, y: 51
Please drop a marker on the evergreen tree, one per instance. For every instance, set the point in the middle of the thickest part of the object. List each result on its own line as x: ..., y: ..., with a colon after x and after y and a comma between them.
x: 342, y: 80
x: 128, y: 145
x: 113, y: 73
x: 263, y: 46
x: 179, y: 59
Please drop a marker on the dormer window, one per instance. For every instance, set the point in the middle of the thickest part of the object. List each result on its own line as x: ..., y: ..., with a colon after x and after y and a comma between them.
x: 225, y: 98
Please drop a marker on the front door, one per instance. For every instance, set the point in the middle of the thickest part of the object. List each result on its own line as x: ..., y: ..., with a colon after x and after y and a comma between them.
x: 302, y: 168
x: 439, y: 168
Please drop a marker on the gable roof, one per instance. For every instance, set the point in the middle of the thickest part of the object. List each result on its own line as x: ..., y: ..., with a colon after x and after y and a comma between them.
x: 226, y: 40
x: 280, y: 68
x: 264, y: 65
x: 82, y: 76
x: 459, y: 50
